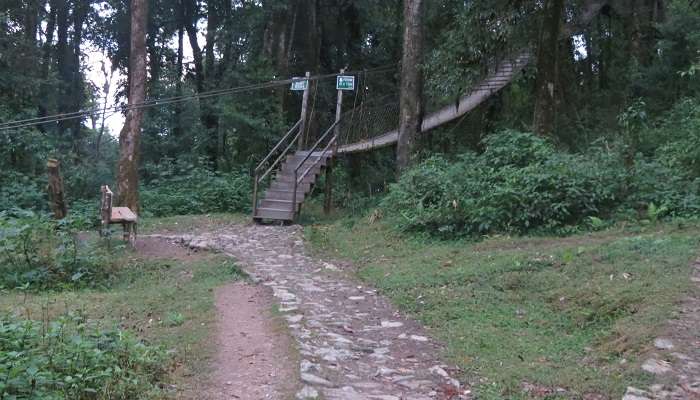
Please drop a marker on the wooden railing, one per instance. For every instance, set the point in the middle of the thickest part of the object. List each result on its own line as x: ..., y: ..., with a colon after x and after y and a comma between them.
x: 258, y: 177
x: 298, y: 179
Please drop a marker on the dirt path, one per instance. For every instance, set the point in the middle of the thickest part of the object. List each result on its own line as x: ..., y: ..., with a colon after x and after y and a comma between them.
x: 353, y: 344
x: 675, y: 360
x: 253, y: 360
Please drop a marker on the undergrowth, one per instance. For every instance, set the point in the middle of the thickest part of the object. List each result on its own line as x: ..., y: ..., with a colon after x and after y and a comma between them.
x: 177, y: 188
x: 37, y: 252
x: 522, y: 184
x: 68, y: 358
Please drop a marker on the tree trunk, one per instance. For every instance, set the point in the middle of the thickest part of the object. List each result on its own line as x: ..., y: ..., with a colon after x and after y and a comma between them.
x: 642, y: 17
x: 57, y: 201
x: 63, y: 58
x: 129, y: 138
x: 177, y: 128
x: 77, y: 88
x: 588, y: 64
x: 311, y: 45
x: 45, y: 105
x: 548, y: 68
x: 210, y: 119
x: 192, y: 16
x: 276, y: 46
x: 212, y: 25
x: 31, y: 16
x: 411, y: 101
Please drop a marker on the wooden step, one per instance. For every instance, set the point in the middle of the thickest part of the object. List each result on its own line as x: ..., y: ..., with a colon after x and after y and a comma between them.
x: 289, y: 186
x: 279, y: 204
x: 291, y: 166
x: 309, y: 178
x: 276, y: 194
x: 274, y: 214
x: 297, y: 158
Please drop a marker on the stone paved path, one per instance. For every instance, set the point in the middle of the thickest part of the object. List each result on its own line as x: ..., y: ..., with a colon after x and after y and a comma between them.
x: 675, y: 360
x: 353, y: 344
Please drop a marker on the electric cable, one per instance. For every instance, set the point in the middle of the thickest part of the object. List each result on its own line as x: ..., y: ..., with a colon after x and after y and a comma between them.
x: 171, y: 100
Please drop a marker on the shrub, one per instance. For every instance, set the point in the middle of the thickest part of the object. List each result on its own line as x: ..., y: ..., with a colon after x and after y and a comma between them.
x: 180, y: 189
x: 520, y: 183
x: 678, y: 138
x: 38, y: 252
x: 21, y: 191
x: 654, y: 182
x: 68, y: 359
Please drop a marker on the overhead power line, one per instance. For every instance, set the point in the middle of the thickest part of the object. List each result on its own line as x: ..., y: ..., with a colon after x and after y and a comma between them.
x: 176, y: 99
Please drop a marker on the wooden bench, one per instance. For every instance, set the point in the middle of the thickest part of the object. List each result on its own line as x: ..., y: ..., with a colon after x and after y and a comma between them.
x: 117, y: 215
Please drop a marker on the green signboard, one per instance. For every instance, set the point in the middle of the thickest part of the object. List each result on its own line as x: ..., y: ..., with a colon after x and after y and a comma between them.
x: 300, y: 84
x: 345, y: 82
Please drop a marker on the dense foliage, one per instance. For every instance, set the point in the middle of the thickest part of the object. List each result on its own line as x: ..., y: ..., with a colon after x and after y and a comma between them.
x: 37, y: 252
x: 518, y: 184
x: 69, y: 359
x: 521, y: 183
x: 183, y: 188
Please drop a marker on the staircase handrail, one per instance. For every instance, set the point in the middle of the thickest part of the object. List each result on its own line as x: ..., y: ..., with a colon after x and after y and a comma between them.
x: 308, y: 155
x: 315, y: 146
x: 323, y: 152
x: 257, y: 179
x: 281, y: 156
x: 277, y: 146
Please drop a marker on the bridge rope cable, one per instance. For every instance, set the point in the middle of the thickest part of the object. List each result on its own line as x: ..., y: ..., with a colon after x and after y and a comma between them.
x: 380, y: 116
x: 360, y: 80
x: 171, y: 100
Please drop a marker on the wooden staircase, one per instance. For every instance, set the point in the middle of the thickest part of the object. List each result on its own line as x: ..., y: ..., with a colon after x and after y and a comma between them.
x: 279, y: 202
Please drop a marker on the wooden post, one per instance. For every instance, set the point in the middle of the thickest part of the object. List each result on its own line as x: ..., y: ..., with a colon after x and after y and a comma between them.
x: 304, y: 110
x: 328, y: 200
x: 56, y: 194
x: 339, y: 107
x: 105, y: 209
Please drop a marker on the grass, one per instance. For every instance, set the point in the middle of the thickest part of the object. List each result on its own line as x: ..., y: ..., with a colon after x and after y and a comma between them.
x: 573, y: 313
x: 190, y: 223
x: 166, y: 302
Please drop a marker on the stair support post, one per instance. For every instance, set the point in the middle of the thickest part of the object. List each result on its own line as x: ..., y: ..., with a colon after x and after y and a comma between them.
x: 304, y: 110
x: 255, y: 192
x: 294, y: 196
x: 328, y: 198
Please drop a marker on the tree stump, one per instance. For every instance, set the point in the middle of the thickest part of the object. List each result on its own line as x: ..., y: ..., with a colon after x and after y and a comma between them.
x: 57, y: 201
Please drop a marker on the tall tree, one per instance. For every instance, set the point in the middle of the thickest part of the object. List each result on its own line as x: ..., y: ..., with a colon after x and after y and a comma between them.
x: 411, y: 101
x: 548, y: 67
x: 129, y: 138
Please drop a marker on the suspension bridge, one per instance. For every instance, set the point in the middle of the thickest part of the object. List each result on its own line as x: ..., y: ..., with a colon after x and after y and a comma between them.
x: 290, y: 170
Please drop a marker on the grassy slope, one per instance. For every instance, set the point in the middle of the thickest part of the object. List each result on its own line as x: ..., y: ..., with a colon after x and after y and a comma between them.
x: 165, y: 301
x: 568, y: 312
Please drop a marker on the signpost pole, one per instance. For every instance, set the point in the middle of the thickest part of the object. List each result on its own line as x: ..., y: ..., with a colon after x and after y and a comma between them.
x: 328, y: 200
x: 304, y: 110
x: 339, y: 107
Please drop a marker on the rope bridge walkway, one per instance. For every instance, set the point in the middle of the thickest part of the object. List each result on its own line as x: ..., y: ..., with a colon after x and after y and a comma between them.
x: 504, y: 74
x: 291, y: 174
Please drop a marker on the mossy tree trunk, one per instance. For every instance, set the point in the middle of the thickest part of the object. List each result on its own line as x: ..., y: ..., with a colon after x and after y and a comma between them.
x: 130, y: 136
x: 547, y: 68
x: 411, y: 101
